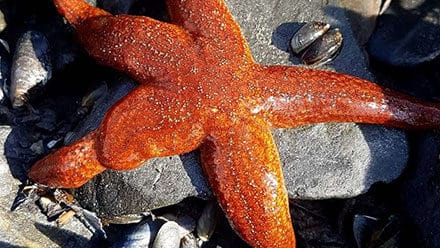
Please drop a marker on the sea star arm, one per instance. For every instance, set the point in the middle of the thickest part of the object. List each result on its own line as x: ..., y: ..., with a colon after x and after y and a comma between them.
x: 146, y: 49
x: 149, y: 122
x: 294, y: 96
x: 146, y: 123
x: 76, y: 11
x: 211, y: 22
x: 244, y: 171
x: 70, y: 166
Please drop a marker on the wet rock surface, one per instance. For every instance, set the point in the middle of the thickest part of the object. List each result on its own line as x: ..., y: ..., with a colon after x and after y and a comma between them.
x: 320, y: 161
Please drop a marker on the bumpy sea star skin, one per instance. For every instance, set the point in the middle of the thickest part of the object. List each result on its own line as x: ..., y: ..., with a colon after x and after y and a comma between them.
x: 200, y: 88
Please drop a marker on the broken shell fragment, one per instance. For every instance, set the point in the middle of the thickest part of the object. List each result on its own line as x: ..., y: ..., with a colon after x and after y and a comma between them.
x: 307, y: 34
x: 31, y: 66
x: 65, y: 217
x: 189, y: 241
x: 50, y: 207
x: 324, y: 49
x: 90, y: 99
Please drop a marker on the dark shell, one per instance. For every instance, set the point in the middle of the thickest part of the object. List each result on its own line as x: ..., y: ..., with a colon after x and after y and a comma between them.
x: 307, y: 34
x: 207, y: 221
x: 324, y: 49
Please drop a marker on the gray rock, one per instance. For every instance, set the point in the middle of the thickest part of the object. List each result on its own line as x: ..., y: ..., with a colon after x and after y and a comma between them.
x: 420, y: 192
x: 27, y: 226
x: 339, y: 161
x: 321, y: 161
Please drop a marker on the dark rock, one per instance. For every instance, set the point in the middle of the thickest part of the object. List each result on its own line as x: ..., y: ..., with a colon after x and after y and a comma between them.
x: 116, y: 7
x: 47, y: 120
x: 420, y: 191
x: 313, y: 225
x: 407, y: 34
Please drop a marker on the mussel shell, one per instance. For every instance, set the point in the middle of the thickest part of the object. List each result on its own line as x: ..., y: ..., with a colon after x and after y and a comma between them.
x: 137, y: 235
x: 31, y: 66
x: 208, y: 221
x: 324, y: 49
x: 308, y: 33
x: 168, y: 236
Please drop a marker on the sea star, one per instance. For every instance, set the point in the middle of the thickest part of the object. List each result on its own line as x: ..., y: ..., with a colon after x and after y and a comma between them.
x: 201, y: 88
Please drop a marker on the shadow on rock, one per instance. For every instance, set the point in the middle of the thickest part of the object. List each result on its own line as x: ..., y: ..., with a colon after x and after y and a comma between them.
x: 63, y: 237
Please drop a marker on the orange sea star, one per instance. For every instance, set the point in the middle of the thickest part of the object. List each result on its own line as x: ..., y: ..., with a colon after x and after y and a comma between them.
x: 201, y: 88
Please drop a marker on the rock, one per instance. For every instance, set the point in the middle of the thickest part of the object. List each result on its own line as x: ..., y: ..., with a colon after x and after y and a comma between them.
x: 27, y: 226
x: 47, y: 120
x: 64, y: 48
x: 339, y: 161
x: 321, y: 161
x: 407, y: 34
x: 420, y: 191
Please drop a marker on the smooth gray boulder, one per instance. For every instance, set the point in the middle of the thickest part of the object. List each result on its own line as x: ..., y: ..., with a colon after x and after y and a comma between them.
x: 320, y: 161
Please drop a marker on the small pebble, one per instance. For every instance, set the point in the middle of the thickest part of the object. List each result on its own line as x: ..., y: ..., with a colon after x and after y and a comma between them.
x: 51, y: 144
x: 37, y: 147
